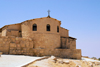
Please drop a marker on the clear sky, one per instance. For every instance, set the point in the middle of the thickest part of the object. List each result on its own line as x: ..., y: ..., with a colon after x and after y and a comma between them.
x: 80, y: 17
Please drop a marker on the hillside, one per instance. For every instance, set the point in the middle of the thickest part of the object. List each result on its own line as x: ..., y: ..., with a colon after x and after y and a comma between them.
x: 61, y: 62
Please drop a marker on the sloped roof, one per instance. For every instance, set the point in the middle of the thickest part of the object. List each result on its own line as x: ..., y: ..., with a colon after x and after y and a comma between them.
x: 72, y: 37
x: 8, y: 25
x: 64, y: 28
x: 30, y: 20
x: 42, y: 18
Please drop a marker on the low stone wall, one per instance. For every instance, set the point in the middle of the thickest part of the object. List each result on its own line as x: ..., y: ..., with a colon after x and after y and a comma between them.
x: 21, y: 46
x: 64, y: 53
x: 68, y: 53
x: 15, y: 45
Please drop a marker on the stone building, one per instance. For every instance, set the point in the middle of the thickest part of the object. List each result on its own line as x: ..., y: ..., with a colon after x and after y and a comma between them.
x: 38, y: 37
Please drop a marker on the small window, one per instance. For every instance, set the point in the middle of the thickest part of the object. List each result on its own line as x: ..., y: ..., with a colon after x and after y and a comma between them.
x: 34, y: 27
x: 48, y: 27
x: 57, y: 28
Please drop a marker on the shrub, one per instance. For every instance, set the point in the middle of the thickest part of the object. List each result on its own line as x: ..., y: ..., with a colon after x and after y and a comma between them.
x: 94, y: 58
x: 99, y: 59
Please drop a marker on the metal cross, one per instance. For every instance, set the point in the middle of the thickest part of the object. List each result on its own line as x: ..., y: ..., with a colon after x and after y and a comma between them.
x: 48, y: 12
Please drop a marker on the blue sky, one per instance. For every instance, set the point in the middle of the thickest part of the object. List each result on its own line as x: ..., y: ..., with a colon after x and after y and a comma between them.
x: 80, y: 17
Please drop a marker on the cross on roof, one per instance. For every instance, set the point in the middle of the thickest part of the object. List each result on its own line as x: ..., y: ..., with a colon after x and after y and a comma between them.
x: 49, y: 13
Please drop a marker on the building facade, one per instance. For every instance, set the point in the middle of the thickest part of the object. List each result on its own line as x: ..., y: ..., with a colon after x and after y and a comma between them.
x: 38, y: 37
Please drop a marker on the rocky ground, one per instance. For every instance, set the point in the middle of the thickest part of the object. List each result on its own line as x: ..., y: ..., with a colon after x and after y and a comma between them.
x: 59, y: 62
x: 33, y: 61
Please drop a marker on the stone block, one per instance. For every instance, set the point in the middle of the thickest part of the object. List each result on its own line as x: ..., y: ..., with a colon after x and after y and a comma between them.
x: 18, y: 45
x: 12, y: 45
x: 23, y: 39
x: 17, y: 38
x: 17, y: 42
x: 13, y: 39
x: 31, y: 44
x: 27, y: 44
x: 30, y: 39
x: 31, y: 54
x: 22, y: 45
x: 1, y: 45
x: 18, y: 51
x: 5, y: 40
x: 12, y: 51
x: 11, y: 48
x: 1, y: 42
x: 18, y: 48
x: 1, y: 39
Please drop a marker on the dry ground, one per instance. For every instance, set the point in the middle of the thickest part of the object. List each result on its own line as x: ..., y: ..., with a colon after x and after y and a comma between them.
x: 58, y: 62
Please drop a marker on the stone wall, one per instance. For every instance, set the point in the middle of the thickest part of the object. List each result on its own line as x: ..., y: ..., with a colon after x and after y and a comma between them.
x: 14, y: 27
x: 0, y: 34
x: 64, y: 32
x: 13, y: 33
x: 41, y: 27
x: 21, y: 46
x: 64, y: 42
x: 50, y: 41
x: 40, y: 42
x: 68, y: 53
x: 42, y: 38
x: 72, y: 43
x: 64, y: 53
x: 15, y: 45
x: 68, y: 43
x: 4, y: 32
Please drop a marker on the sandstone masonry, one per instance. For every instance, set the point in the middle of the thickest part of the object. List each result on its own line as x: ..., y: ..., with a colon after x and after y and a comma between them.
x: 38, y: 37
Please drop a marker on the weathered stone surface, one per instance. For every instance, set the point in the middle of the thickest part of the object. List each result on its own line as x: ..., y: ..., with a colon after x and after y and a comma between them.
x: 53, y: 58
x: 77, y: 66
x: 60, y: 61
x: 21, y: 39
x: 12, y: 45
x: 66, y: 62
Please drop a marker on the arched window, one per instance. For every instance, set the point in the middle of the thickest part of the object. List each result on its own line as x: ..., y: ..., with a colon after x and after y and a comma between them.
x: 34, y: 27
x: 57, y: 28
x: 48, y: 27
